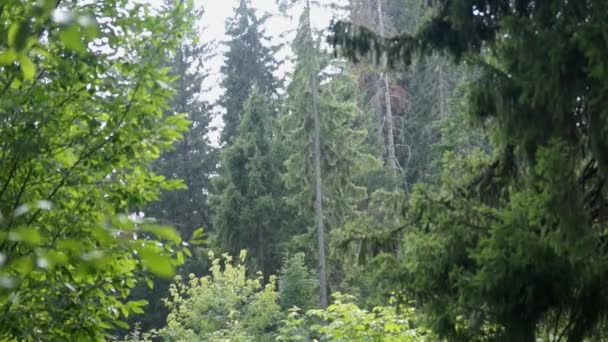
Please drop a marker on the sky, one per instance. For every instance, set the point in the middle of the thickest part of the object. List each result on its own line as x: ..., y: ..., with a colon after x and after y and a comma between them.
x: 213, y: 22
x: 279, y: 27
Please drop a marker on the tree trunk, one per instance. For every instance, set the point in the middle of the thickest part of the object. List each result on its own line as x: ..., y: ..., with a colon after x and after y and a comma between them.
x: 442, y: 99
x: 390, y: 159
x: 261, y: 256
x: 317, y: 172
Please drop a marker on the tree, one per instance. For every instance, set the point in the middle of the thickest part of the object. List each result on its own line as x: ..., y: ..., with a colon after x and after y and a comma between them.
x: 431, y: 92
x: 247, y: 62
x: 193, y: 160
x: 250, y: 212
x: 415, y: 96
x: 297, y: 286
x: 390, y: 145
x: 224, y: 306
x: 328, y: 160
x: 531, y: 213
x: 81, y: 103
x: 304, y: 91
x: 377, y: 89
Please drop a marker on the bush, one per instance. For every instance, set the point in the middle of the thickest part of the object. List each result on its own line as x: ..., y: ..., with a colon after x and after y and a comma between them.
x: 224, y: 306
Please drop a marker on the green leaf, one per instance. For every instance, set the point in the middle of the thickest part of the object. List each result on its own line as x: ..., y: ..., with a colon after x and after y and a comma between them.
x: 27, y: 68
x: 156, y: 263
x: 136, y: 306
x: 163, y: 233
x: 17, y: 35
x: 25, y: 234
x: 198, y: 233
x: 22, y: 265
x: 71, y: 38
x: 121, y: 324
x: 7, y: 57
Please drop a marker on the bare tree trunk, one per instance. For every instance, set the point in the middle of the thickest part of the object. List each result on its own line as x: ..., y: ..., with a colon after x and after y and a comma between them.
x: 391, y: 159
x: 442, y: 111
x: 318, y: 179
x: 261, y: 253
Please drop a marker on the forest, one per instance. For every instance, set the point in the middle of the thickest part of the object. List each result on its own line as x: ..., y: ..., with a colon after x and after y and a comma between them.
x: 414, y: 170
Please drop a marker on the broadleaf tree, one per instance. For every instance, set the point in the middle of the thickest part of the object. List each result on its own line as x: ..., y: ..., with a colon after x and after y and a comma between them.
x: 193, y: 160
x: 82, y: 95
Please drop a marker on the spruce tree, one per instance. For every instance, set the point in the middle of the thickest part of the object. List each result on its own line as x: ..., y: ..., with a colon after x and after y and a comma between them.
x: 327, y: 157
x: 193, y: 160
x: 249, y: 211
x: 515, y: 238
x: 248, y: 61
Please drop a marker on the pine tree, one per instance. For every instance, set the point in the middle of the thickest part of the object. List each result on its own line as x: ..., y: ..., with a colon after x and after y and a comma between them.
x: 248, y: 61
x: 249, y: 211
x: 304, y: 102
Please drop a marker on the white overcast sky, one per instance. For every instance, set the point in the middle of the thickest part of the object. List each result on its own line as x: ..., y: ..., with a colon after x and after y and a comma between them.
x: 213, y: 21
x: 217, y: 11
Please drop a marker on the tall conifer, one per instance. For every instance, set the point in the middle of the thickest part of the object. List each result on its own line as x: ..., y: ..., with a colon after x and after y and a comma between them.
x: 250, y: 212
x: 248, y: 61
x: 324, y: 140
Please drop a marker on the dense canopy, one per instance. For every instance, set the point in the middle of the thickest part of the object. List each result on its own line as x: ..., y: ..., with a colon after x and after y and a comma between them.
x: 436, y: 173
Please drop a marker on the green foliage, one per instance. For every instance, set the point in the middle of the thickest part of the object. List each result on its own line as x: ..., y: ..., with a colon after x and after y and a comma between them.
x: 137, y: 335
x: 79, y: 127
x: 503, y: 241
x: 297, y: 285
x: 193, y: 160
x: 224, y: 306
x: 344, y: 321
x: 250, y: 212
x: 248, y: 62
x: 370, y: 235
x: 484, y: 254
x: 345, y: 159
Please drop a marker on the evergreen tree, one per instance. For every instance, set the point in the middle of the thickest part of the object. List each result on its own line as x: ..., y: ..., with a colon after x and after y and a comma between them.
x: 376, y: 86
x: 420, y: 97
x: 431, y: 81
x: 516, y: 238
x: 193, y: 160
x: 304, y: 94
x: 249, y: 211
x: 297, y: 285
x: 331, y: 146
x: 248, y: 61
